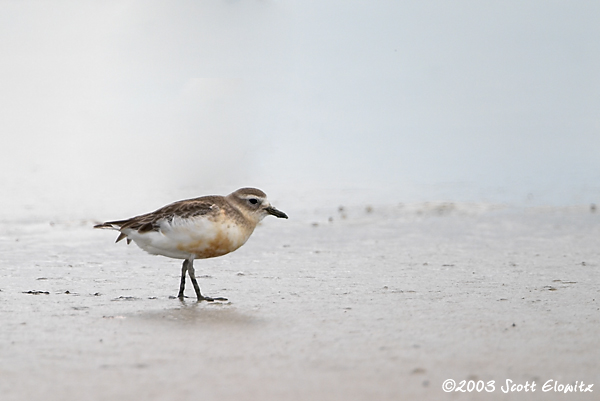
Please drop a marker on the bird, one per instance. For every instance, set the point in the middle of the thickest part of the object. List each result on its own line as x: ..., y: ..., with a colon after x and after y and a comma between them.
x: 198, y: 228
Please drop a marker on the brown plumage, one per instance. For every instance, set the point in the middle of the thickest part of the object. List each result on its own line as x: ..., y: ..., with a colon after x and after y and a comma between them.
x: 197, y: 228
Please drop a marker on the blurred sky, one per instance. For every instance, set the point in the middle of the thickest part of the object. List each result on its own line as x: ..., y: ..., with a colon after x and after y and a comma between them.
x: 391, y: 101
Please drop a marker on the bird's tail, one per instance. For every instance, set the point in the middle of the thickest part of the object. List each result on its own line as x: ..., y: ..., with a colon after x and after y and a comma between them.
x: 115, y: 225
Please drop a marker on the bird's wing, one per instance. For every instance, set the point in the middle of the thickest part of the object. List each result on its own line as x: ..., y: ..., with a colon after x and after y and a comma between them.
x: 151, y: 221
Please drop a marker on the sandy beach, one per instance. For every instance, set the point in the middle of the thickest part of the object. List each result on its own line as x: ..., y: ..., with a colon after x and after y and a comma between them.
x: 438, y: 161
x: 366, y: 303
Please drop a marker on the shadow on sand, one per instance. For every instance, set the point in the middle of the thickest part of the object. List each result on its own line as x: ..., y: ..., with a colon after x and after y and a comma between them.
x: 192, y: 312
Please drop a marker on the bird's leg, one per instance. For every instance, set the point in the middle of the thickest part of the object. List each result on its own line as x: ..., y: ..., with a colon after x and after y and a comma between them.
x: 192, y: 273
x: 184, y: 269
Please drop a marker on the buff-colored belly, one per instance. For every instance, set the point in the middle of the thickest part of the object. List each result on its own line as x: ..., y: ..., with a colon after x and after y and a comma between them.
x: 220, y: 242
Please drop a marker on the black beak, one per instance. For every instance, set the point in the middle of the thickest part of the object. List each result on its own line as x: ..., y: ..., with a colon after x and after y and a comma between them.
x: 276, y: 213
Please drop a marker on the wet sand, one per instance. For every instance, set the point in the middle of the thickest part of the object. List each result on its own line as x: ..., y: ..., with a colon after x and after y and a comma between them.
x: 377, y: 304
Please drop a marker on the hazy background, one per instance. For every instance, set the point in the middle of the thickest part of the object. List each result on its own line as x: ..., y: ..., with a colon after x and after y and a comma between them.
x: 124, y: 105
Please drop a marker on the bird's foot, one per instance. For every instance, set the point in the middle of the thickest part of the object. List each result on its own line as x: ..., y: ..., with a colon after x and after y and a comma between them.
x: 209, y: 299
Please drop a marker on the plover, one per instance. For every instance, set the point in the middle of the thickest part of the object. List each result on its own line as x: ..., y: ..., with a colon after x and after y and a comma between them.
x: 198, y: 228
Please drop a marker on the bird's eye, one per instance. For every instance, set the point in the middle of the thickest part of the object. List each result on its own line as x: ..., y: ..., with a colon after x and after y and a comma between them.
x: 254, y: 201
